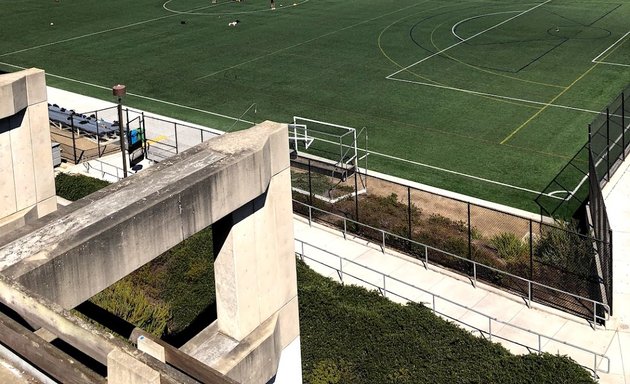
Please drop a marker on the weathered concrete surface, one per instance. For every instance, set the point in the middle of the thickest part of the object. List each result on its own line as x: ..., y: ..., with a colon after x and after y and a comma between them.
x: 27, y: 186
x: 239, y: 183
x: 124, y: 369
x: 73, y: 255
x: 251, y: 289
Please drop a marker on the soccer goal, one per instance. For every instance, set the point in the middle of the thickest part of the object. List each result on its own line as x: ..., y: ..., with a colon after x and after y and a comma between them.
x: 333, y: 151
x: 331, y: 143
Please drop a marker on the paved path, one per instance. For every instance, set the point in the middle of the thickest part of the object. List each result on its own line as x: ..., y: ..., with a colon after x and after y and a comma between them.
x: 482, y: 310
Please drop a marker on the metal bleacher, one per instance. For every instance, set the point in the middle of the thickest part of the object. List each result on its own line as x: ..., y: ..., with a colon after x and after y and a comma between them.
x: 88, y: 124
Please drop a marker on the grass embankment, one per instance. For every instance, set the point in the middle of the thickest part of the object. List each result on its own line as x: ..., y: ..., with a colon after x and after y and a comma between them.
x: 348, y: 334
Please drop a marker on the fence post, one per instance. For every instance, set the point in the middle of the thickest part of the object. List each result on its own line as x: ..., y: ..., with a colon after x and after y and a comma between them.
x: 409, y: 214
x: 98, y: 135
x: 356, y: 194
x: 383, y: 247
x: 384, y: 287
x: 145, y: 148
x: 623, y: 126
x: 490, y: 327
x: 469, y: 233
x: 310, y: 185
x: 74, y: 144
x: 607, y: 144
x: 176, y: 144
x: 610, y: 272
x: 531, y: 256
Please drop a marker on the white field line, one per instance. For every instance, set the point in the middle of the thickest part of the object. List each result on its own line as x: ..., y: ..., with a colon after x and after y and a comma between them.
x: 265, y: 9
x: 94, y: 33
x: 308, y: 41
x: 194, y: 9
x: 141, y: 96
x: 595, y: 60
x: 495, y: 96
x: 445, y: 170
x: 454, y: 27
x: 611, y: 63
x: 467, y: 39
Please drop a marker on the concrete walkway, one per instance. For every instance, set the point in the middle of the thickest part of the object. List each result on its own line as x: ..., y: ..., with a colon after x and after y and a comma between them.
x: 483, y: 310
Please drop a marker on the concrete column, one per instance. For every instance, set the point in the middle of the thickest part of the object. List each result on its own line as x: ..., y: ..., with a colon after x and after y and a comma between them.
x: 255, y: 273
x: 27, y: 184
x: 124, y: 369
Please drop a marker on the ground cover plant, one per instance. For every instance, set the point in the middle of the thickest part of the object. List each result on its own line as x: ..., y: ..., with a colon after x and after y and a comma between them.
x: 351, y: 335
x: 498, y: 90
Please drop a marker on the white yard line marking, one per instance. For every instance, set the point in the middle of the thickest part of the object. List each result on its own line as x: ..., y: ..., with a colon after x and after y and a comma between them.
x: 307, y: 41
x: 140, y: 96
x: 495, y: 96
x: 467, y: 39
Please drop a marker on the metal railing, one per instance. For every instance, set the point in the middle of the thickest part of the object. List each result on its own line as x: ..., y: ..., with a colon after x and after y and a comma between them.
x: 531, y: 285
x: 101, y: 167
x: 597, y: 357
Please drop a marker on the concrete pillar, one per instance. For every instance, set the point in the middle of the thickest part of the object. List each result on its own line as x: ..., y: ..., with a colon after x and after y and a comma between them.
x: 124, y: 369
x: 251, y: 289
x: 27, y: 190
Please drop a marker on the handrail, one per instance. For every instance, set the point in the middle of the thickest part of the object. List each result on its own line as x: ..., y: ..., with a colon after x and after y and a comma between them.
x: 88, y: 165
x: 384, y: 291
x: 530, y: 283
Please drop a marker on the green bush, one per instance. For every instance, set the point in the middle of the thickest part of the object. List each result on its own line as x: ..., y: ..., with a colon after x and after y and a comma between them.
x: 329, y: 371
x: 351, y: 335
x: 509, y: 247
x: 125, y: 301
x: 564, y: 248
x: 74, y: 187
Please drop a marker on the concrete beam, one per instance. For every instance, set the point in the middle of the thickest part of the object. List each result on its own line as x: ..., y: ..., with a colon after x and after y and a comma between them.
x: 75, y: 254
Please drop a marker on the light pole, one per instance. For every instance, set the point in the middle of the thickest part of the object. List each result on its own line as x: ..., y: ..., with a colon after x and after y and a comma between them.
x: 119, y: 91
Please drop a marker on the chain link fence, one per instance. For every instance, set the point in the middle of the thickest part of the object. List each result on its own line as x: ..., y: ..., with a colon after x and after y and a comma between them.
x: 451, y: 232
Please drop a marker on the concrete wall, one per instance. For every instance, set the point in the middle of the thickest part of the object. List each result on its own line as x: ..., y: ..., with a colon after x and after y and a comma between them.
x: 239, y: 183
x: 27, y: 184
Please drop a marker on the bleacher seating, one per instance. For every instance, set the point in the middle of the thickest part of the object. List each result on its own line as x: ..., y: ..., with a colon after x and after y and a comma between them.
x: 87, y: 124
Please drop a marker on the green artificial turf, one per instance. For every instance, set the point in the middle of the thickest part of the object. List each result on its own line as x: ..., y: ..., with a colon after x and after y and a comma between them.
x: 497, y: 90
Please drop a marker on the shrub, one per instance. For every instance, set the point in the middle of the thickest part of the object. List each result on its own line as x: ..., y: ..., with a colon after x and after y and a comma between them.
x: 564, y: 248
x: 351, y: 335
x: 75, y: 187
x: 329, y: 371
x: 125, y: 301
x: 510, y: 248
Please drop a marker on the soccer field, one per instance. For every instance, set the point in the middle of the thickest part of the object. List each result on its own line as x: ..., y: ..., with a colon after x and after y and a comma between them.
x: 487, y: 98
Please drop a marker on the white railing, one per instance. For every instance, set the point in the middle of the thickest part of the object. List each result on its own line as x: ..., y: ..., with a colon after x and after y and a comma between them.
x: 104, y: 169
x: 598, y: 358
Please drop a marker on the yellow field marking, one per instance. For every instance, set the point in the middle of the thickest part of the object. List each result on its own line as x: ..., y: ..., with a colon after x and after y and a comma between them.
x: 554, y: 99
x: 157, y: 139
